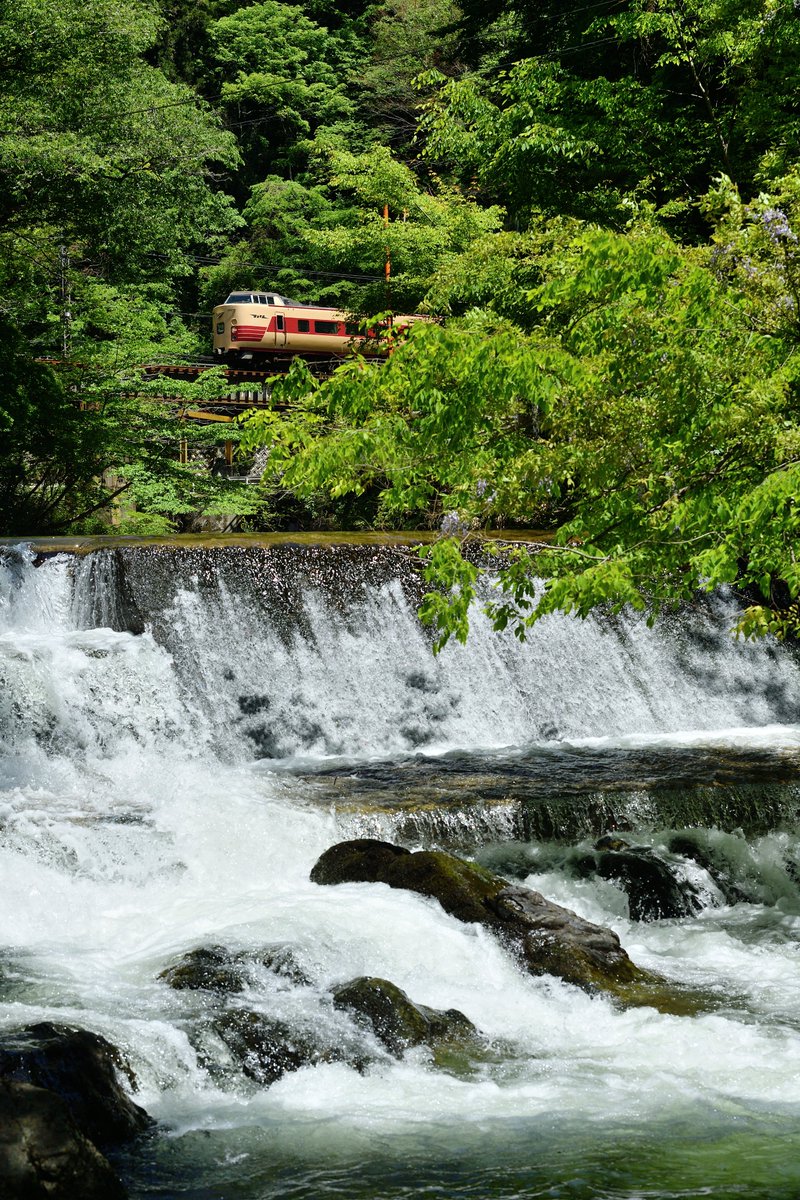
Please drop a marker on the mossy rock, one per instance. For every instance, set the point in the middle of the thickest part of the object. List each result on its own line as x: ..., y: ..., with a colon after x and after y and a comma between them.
x: 462, y: 888
x: 546, y: 938
x: 395, y: 1019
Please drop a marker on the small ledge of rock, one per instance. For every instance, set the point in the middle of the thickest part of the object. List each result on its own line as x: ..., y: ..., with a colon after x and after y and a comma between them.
x: 545, y: 938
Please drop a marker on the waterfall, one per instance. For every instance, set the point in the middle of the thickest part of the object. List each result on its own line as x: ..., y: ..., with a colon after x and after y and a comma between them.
x: 317, y: 651
x: 184, y: 731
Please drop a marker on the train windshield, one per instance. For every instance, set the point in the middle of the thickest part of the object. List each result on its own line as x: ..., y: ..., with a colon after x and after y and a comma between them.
x: 239, y: 298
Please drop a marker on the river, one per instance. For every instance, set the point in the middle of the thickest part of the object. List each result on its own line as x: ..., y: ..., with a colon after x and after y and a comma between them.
x: 184, y: 731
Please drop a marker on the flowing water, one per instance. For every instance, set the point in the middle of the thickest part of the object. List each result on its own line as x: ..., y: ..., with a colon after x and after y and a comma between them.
x: 183, y: 732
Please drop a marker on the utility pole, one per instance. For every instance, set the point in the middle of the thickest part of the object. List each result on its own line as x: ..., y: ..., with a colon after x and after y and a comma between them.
x: 388, y: 268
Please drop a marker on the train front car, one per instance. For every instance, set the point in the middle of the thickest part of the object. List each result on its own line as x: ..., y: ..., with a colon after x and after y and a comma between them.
x: 250, y: 324
x: 253, y: 326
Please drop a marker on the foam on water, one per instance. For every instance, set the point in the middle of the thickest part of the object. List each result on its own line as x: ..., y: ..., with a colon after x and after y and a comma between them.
x: 138, y: 823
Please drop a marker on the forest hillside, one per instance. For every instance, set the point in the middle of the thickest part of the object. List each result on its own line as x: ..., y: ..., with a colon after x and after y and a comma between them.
x: 595, y: 204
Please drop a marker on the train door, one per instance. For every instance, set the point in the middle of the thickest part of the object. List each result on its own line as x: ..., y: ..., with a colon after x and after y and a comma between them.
x: 280, y: 330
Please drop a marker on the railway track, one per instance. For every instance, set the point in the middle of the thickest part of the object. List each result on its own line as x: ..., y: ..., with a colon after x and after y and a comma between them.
x: 276, y: 365
x: 249, y: 385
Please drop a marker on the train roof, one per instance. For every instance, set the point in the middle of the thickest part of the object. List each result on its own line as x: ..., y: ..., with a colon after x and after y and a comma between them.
x: 263, y: 298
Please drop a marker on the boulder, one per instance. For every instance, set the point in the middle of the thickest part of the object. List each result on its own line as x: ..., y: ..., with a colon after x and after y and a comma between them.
x: 267, y: 1048
x: 208, y: 968
x: 395, y: 1019
x: 83, y: 1069
x: 217, y: 969
x: 654, y: 892
x: 43, y: 1154
x: 546, y: 938
x: 687, y: 845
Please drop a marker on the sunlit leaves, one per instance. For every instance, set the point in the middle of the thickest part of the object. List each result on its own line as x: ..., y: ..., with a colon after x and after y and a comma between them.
x: 643, y: 402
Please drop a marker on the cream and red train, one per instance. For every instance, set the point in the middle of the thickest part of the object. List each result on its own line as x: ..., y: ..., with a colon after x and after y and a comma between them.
x: 258, y: 325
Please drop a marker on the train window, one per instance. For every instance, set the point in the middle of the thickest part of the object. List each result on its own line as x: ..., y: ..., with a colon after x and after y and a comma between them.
x: 326, y: 327
x: 239, y: 298
x: 270, y: 300
x: 352, y: 330
x: 303, y: 326
x: 262, y: 299
x: 279, y: 322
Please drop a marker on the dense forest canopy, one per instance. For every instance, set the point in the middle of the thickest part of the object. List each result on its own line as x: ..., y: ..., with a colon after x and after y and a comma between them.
x: 596, y: 204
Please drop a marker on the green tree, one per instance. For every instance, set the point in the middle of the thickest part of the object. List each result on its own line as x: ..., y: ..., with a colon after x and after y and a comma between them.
x: 408, y: 38
x: 650, y: 98
x: 645, y: 417
x: 281, y: 77
x: 106, y: 189
x: 51, y: 457
x: 328, y: 240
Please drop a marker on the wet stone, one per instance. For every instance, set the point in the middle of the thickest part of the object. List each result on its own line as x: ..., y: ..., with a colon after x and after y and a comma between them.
x: 396, y: 1021
x: 267, y: 1048
x: 84, y: 1070
x: 226, y: 972
x: 688, y: 846
x: 545, y: 938
x: 43, y: 1153
x: 653, y: 889
x: 209, y: 968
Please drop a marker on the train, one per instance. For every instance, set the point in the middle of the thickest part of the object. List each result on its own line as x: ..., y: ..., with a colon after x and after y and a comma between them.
x: 255, y: 326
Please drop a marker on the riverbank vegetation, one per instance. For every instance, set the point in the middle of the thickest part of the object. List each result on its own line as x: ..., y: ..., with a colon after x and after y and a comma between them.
x: 598, y: 205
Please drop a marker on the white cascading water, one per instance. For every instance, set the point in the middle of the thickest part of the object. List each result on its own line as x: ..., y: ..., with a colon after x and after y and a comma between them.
x: 155, y: 798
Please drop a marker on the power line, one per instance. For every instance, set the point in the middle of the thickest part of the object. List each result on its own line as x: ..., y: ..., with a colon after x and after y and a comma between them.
x: 571, y: 12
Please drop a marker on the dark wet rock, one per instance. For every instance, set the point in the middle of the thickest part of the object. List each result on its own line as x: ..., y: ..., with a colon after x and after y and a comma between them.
x: 546, y: 938
x: 281, y: 960
x: 395, y: 1019
x: 611, y: 841
x: 43, y: 1153
x: 84, y: 1070
x: 267, y: 1048
x: 208, y: 968
x: 653, y: 890
x: 687, y: 846
x: 225, y: 972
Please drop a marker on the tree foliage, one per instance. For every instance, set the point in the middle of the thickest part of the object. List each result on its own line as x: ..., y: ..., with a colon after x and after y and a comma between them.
x: 107, y: 186
x: 646, y: 418
x: 597, y: 207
